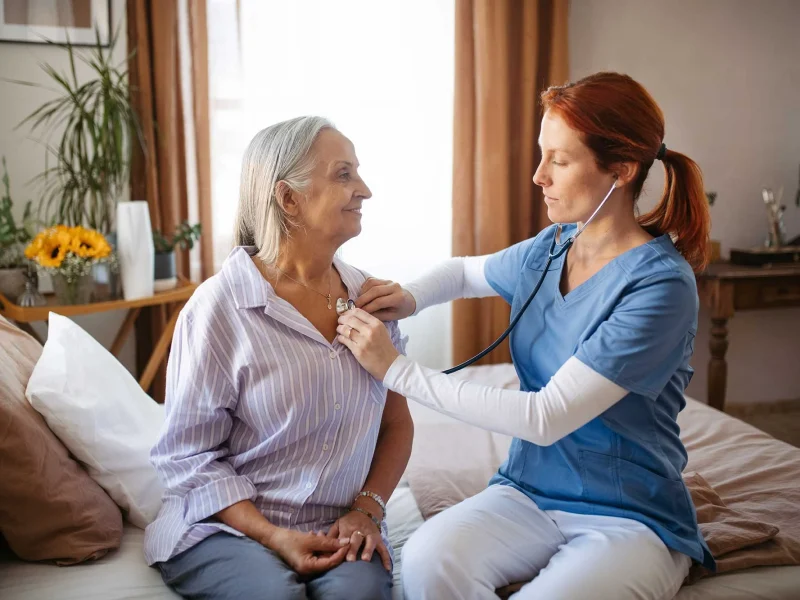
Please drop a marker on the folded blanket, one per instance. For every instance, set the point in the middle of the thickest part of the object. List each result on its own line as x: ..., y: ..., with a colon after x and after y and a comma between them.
x: 736, y: 539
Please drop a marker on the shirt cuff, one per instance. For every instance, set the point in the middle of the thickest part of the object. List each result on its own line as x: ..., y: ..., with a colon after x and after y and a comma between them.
x: 208, y: 500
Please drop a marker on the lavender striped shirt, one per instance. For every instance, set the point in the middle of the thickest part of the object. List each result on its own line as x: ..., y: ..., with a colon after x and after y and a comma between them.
x: 260, y: 406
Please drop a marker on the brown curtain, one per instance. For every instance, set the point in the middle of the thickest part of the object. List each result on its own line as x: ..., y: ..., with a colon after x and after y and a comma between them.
x: 158, y: 174
x: 507, y: 53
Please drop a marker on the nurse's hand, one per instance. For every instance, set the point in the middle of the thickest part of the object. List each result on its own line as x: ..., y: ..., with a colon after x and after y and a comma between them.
x: 386, y: 300
x: 368, y: 340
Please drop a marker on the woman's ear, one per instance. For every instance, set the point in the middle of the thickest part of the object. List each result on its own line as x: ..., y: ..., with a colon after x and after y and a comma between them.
x: 625, y: 173
x: 287, y: 198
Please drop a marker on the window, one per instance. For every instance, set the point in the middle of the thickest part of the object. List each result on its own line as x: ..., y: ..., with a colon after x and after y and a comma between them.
x: 383, y: 73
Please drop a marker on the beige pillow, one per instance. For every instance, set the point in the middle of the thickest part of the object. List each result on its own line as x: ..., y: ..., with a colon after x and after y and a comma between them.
x: 50, y: 509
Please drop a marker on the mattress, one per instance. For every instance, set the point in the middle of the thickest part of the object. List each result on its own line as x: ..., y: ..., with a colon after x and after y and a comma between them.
x: 124, y: 575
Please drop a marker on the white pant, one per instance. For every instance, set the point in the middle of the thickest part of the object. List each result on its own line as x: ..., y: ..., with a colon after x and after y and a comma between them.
x: 500, y: 537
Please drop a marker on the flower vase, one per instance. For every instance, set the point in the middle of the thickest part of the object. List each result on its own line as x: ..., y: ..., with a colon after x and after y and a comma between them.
x: 73, y: 291
x: 135, y: 249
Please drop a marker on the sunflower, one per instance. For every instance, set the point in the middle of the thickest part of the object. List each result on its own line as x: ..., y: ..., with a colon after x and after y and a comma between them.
x: 88, y: 243
x: 54, y: 245
x: 35, y: 247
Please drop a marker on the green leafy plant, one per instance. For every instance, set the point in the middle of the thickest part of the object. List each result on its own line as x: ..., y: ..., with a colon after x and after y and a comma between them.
x: 184, y: 238
x: 13, y: 237
x: 97, y: 125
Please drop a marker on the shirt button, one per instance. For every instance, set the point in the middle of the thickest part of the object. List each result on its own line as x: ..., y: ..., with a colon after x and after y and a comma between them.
x: 337, y: 406
x: 324, y: 446
x: 309, y: 485
x: 332, y: 354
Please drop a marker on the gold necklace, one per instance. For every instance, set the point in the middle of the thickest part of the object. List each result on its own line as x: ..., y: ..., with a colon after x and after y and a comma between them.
x: 326, y: 296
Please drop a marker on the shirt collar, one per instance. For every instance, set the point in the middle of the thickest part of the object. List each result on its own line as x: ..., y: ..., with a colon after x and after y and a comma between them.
x: 251, y: 290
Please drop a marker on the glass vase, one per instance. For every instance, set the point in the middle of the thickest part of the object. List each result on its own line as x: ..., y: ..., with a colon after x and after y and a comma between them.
x: 76, y: 291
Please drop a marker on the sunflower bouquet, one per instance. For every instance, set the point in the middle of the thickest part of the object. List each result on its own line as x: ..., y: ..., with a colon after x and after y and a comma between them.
x: 69, y: 254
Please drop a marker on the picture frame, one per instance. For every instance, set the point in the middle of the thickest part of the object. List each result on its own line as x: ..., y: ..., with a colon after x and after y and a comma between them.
x: 56, y: 21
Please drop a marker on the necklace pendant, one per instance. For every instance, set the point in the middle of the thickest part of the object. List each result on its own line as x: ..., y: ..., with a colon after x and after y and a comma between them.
x: 329, y: 301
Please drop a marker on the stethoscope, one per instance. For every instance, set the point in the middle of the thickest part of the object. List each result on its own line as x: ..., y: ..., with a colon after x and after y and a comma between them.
x: 557, y: 249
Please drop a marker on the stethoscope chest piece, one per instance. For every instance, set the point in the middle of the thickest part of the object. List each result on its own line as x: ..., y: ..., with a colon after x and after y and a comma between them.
x: 343, y: 306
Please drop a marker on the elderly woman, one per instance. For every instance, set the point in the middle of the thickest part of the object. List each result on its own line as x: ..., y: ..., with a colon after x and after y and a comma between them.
x: 279, y: 450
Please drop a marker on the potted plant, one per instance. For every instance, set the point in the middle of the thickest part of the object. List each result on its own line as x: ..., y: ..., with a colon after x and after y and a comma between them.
x: 184, y: 237
x: 88, y: 131
x: 13, y: 237
x: 69, y: 254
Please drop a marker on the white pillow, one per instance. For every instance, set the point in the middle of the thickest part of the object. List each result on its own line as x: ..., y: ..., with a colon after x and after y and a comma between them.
x: 99, y: 412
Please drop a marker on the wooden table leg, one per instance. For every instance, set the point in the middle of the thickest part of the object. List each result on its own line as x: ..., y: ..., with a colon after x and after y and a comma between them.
x: 717, y: 366
x: 721, y: 311
x: 125, y: 330
x: 160, y: 349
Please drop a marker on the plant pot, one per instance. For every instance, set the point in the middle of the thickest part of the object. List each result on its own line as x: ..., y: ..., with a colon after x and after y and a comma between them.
x: 77, y: 291
x: 12, y: 283
x: 165, y: 276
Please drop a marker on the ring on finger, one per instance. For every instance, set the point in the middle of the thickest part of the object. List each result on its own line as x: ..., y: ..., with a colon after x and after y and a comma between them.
x: 359, y: 533
x: 349, y: 331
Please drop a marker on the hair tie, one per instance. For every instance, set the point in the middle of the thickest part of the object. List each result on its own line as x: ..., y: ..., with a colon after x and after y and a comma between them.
x: 661, y: 152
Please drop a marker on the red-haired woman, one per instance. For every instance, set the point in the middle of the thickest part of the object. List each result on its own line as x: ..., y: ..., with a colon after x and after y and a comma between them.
x: 590, y: 503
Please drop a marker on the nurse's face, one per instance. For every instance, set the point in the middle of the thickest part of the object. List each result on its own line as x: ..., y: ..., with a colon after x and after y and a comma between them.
x: 572, y: 183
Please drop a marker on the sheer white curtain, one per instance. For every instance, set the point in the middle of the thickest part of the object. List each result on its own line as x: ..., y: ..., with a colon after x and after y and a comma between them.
x: 383, y: 73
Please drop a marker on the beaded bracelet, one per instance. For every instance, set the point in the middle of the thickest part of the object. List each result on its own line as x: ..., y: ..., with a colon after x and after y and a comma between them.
x: 375, y: 497
x: 369, y: 514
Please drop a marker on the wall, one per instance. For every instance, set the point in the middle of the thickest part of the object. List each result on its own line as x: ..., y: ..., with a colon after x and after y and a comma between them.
x: 727, y: 76
x: 26, y: 157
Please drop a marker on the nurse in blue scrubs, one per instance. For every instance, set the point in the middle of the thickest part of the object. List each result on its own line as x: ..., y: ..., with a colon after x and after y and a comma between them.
x: 590, y: 502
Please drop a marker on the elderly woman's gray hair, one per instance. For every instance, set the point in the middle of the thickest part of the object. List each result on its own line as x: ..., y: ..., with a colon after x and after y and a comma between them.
x: 281, y: 152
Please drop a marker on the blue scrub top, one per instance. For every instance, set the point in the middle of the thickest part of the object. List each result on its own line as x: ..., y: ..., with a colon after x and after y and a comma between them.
x: 634, y: 322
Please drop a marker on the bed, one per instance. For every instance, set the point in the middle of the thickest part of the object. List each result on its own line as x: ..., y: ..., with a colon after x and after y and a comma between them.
x: 748, y: 468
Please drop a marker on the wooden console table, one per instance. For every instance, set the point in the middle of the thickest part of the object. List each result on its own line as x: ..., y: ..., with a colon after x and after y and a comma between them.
x: 175, y: 298
x: 725, y: 288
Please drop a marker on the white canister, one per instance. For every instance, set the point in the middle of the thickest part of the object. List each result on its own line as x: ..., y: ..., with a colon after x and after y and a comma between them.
x: 135, y: 249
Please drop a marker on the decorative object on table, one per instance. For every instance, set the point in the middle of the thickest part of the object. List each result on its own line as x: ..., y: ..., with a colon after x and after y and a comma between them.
x: 776, y: 250
x: 184, y: 238
x: 80, y: 22
x: 88, y: 131
x: 31, y: 296
x: 68, y: 254
x: 135, y: 249
x: 13, y: 237
x: 776, y: 233
x: 797, y: 194
x: 757, y: 257
x: 716, y: 247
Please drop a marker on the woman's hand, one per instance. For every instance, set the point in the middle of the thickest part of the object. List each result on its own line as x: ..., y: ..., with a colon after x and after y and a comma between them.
x: 386, y: 300
x: 307, y: 554
x: 358, y: 530
x: 368, y: 340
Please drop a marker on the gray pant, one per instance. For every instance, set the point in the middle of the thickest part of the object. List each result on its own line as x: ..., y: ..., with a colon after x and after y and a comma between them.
x: 226, y: 567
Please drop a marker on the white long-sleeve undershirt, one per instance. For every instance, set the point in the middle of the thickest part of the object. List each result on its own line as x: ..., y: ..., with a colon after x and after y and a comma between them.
x: 454, y: 278
x: 575, y: 395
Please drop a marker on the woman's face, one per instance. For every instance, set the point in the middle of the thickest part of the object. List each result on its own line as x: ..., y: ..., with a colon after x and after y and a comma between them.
x: 332, y: 204
x: 572, y: 183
